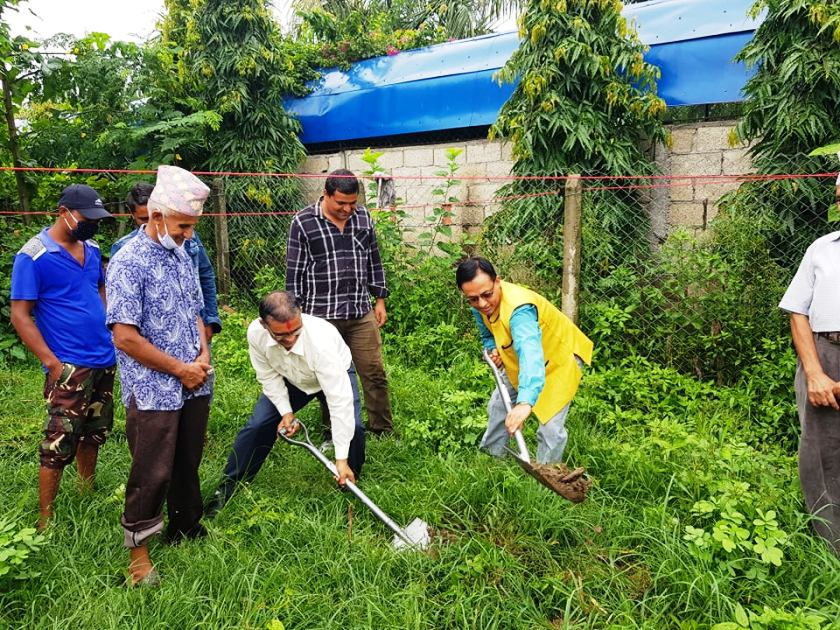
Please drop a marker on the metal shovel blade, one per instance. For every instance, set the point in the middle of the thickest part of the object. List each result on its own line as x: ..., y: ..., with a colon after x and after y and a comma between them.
x: 569, y: 485
x: 417, y: 533
x: 415, y: 536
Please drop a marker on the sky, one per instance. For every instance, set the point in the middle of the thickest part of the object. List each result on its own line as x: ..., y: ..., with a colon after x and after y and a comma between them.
x: 130, y: 20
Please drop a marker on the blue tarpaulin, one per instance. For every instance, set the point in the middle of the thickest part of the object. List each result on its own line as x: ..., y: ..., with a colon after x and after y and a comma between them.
x: 450, y: 86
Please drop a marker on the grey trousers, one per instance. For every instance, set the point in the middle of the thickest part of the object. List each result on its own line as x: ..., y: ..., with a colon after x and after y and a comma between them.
x: 551, y: 436
x: 819, y: 449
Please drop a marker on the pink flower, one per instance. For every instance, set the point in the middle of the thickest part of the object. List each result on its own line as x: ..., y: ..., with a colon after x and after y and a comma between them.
x: 392, y: 51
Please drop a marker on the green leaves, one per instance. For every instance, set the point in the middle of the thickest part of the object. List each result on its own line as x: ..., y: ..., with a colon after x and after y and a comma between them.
x: 16, y: 547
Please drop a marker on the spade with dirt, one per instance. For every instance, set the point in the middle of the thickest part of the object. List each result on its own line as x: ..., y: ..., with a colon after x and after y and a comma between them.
x: 569, y: 484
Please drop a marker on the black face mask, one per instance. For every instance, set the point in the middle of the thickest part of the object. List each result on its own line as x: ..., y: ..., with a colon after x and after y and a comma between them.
x: 84, y: 229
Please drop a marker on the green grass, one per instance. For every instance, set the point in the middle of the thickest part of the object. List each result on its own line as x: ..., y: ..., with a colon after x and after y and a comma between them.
x: 511, y: 555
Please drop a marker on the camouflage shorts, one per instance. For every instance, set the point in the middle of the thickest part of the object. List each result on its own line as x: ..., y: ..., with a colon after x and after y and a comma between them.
x: 80, y: 405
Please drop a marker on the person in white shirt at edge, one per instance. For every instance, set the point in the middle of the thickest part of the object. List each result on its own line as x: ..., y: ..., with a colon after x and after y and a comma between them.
x: 813, y: 301
x: 297, y: 358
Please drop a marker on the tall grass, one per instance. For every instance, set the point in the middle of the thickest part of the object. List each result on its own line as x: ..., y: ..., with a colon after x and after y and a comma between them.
x: 508, y: 554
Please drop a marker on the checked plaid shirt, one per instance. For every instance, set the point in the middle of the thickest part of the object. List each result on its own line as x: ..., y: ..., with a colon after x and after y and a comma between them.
x: 334, y: 273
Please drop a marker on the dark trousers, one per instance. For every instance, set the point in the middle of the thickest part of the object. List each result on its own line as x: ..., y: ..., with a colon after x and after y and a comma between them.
x: 362, y: 337
x: 255, y: 439
x: 166, y: 449
x: 819, y: 449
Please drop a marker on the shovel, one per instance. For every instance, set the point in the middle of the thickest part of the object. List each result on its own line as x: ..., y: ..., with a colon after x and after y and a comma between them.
x: 415, y: 536
x: 569, y: 485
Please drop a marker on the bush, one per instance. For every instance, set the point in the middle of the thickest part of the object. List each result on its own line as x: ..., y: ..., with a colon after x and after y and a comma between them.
x: 16, y: 548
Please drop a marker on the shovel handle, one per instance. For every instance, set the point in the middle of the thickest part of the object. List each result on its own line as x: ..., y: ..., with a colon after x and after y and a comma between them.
x: 352, y: 487
x: 524, y: 455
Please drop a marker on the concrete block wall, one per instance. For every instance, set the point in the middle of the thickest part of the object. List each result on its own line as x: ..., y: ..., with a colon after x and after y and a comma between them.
x: 700, y: 149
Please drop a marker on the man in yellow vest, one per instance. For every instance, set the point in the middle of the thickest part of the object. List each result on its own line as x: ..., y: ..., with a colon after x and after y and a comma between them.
x: 541, y: 350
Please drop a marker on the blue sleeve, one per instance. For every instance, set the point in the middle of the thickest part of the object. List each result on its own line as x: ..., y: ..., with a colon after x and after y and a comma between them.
x: 120, y: 242
x: 486, y: 336
x: 527, y: 341
x: 207, y: 280
x: 125, y: 286
x: 25, y: 285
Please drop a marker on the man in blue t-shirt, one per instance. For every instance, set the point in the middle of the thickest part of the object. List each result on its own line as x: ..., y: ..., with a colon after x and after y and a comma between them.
x: 58, y: 309
x: 137, y: 202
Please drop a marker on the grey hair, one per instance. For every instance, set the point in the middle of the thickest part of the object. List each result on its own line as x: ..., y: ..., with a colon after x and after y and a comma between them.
x: 281, y: 306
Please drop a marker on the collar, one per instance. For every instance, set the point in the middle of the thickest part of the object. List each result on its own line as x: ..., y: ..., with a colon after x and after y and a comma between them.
x: 54, y: 247
x: 319, y: 212
x: 48, y: 241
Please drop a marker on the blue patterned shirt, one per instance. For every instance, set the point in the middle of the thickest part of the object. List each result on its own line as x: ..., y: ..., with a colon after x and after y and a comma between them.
x: 155, y: 290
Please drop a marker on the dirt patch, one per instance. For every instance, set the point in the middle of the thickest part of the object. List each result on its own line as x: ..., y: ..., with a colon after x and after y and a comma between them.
x: 569, y: 484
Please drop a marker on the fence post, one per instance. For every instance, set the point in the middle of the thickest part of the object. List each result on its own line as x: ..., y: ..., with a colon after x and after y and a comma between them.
x: 571, y: 246
x: 222, y: 242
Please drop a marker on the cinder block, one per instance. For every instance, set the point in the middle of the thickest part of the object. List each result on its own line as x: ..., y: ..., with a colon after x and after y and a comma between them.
x: 421, y: 156
x: 681, y: 190
x: 483, y: 151
x: 712, y: 138
x: 336, y: 161
x: 713, y: 192
x: 682, y: 139
x: 501, y: 168
x: 393, y: 158
x: 506, y: 151
x: 481, y: 193
x: 685, y: 214
x: 697, y: 164
x: 315, y: 164
x: 440, y: 154
x: 737, y: 162
x: 472, y: 171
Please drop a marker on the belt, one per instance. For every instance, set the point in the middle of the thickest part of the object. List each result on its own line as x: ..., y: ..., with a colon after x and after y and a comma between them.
x: 830, y: 337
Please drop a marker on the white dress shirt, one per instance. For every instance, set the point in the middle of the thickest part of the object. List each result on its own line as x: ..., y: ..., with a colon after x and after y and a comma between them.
x: 318, y: 361
x: 815, y: 289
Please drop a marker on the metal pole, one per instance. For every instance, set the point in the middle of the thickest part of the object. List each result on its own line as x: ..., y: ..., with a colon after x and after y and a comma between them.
x: 571, y: 246
x: 222, y: 240
x: 361, y: 496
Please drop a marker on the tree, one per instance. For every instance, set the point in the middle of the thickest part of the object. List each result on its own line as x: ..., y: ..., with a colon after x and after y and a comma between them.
x: 16, y: 83
x: 456, y: 18
x: 586, y: 103
x: 87, y: 90
x: 791, y: 108
x: 228, y: 59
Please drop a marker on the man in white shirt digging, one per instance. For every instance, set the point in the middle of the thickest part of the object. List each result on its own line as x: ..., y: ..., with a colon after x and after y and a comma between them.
x: 297, y: 358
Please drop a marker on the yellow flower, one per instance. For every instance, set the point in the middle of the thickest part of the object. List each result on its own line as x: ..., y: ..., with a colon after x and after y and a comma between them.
x: 178, y: 157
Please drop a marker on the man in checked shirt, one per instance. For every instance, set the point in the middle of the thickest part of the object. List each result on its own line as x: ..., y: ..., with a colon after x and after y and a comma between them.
x: 333, y: 266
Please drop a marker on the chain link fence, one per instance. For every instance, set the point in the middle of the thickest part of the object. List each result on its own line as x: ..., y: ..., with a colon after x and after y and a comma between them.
x: 683, y: 270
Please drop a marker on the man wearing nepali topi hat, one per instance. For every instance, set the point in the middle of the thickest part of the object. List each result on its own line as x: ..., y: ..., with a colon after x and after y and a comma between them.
x: 153, y: 312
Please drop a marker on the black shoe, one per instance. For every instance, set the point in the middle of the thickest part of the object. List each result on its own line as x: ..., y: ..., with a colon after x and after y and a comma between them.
x: 193, y: 533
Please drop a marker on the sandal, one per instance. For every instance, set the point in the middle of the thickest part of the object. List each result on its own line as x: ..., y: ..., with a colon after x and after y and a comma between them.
x: 150, y: 580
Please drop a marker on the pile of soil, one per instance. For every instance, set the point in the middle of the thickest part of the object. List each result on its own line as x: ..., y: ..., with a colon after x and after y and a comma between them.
x: 569, y: 484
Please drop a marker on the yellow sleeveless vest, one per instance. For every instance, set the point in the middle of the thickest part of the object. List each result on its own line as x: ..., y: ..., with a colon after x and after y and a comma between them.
x: 561, y: 341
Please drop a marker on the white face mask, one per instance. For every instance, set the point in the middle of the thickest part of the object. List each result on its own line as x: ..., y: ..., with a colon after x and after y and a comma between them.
x: 166, y: 240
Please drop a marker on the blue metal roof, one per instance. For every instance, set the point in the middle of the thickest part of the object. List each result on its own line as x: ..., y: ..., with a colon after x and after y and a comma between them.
x: 450, y: 86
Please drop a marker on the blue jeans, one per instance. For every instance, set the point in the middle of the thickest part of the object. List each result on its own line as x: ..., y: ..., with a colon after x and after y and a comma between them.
x: 255, y: 439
